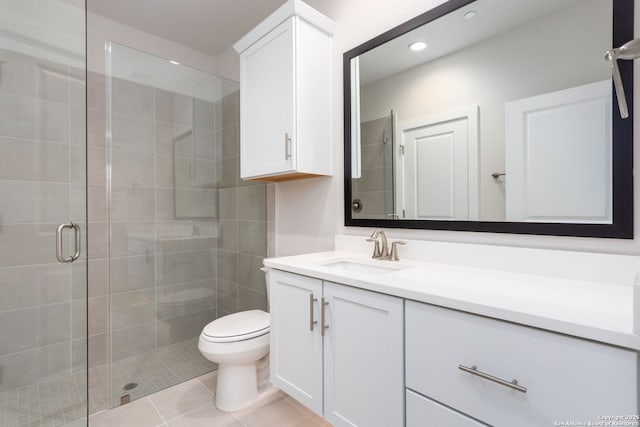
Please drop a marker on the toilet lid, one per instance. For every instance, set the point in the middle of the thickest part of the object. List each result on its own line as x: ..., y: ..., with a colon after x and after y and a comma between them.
x: 237, y: 326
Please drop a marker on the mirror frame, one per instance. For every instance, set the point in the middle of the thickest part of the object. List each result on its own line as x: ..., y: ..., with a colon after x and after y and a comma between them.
x: 622, y: 150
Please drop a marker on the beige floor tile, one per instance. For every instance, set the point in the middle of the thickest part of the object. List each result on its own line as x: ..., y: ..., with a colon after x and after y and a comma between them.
x: 140, y: 413
x: 181, y: 399
x: 77, y: 423
x: 206, y: 416
x: 317, y: 418
x: 210, y: 381
x: 274, y: 410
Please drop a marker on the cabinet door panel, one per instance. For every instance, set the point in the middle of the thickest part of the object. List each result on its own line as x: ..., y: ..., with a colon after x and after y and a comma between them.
x: 363, y: 353
x: 268, y: 103
x: 296, y: 351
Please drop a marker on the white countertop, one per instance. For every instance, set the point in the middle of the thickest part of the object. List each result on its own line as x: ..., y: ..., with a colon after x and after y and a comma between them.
x: 587, y: 309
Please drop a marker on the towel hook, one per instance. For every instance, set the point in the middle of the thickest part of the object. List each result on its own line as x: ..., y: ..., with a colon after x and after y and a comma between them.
x: 630, y: 50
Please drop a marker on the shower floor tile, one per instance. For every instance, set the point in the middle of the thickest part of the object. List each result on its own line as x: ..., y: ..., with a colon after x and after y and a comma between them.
x: 60, y: 401
x: 55, y: 402
x: 157, y: 370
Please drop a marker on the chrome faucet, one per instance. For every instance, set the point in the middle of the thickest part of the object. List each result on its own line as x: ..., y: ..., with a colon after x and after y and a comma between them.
x: 381, y: 247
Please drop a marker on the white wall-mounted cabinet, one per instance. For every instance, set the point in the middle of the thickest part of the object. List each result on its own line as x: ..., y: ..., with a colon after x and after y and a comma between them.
x: 338, y: 350
x: 285, y: 103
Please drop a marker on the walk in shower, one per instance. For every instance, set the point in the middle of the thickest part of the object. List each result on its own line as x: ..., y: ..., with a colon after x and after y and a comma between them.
x: 185, y: 236
x: 133, y: 178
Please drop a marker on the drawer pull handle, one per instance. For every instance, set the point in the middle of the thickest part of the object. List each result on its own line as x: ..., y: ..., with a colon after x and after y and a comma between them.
x: 511, y: 384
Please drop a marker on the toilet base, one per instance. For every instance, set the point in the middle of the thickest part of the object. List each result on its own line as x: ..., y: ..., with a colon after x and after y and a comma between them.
x: 237, y: 386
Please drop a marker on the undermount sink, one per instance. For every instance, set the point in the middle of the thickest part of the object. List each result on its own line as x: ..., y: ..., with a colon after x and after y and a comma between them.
x: 371, y: 267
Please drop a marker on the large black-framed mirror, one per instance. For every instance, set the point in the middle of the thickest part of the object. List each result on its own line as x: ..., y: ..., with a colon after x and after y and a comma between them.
x: 506, y: 121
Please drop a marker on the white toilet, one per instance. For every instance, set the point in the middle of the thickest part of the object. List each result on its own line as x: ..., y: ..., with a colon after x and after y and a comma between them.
x: 236, y: 343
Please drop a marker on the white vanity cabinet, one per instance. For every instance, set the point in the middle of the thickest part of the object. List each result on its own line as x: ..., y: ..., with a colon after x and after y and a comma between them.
x: 285, y: 111
x: 338, y: 350
x: 566, y: 379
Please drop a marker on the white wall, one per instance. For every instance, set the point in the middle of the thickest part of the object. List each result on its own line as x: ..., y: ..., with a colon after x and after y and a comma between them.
x: 490, y: 73
x: 228, y: 64
x: 309, y: 212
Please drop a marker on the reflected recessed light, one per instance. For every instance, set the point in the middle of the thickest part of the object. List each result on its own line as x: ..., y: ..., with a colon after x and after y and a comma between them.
x: 174, y: 62
x: 470, y: 15
x: 416, y: 46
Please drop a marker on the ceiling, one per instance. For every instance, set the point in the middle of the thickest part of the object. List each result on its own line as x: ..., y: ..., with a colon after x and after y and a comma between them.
x: 209, y: 26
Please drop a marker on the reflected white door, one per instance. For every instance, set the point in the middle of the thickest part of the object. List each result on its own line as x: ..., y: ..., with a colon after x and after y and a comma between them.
x: 558, y: 156
x: 439, y: 167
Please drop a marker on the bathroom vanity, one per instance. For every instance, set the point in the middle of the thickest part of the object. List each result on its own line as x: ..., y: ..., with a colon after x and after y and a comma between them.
x: 434, y: 337
x: 452, y: 137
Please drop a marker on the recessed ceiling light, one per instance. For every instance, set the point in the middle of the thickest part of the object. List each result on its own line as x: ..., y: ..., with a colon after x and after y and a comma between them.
x: 417, y: 46
x: 174, y: 62
x: 470, y: 15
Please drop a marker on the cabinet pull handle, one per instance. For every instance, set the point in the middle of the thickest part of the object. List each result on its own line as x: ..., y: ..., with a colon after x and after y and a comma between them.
x: 287, y: 144
x: 511, y: 384
x: 311, y: 321
x: 323, y: 318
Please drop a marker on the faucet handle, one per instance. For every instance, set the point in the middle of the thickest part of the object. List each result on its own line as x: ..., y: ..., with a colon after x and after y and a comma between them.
x: 394, y: 249
x: 377, y: 253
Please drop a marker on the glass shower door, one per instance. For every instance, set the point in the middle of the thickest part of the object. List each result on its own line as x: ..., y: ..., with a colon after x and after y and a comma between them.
x: 43, y: 214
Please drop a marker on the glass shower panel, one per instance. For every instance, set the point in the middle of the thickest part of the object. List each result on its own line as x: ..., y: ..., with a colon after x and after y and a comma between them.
x: 374, y: 190
x: 43, y: 302
x: 165, y: 122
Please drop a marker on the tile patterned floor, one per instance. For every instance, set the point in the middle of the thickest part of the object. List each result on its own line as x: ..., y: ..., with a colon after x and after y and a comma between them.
x: 190, y: 404
x: 61, y: 400
x: 50, y: 403
x: 156, y: 370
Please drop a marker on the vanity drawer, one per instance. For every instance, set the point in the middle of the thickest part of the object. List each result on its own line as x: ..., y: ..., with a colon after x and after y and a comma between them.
x: 565, y: 378
x: 425, y: 412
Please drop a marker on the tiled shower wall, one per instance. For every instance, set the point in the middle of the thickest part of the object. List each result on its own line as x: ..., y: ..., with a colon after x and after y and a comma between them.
x: 375, y: 186
x: 42, y: 174
x: 242, y: 208
x: 162, y: 218
x: 211, y: 245
x: 182, y: 221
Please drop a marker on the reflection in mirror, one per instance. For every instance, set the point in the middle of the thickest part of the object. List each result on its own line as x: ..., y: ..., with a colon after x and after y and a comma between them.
x: 497, y: 111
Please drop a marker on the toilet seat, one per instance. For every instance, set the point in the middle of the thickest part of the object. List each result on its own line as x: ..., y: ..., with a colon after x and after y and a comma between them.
x: 237, y: 327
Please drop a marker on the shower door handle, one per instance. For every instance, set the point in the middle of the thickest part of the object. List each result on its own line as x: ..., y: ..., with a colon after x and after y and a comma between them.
x: 77, y: 240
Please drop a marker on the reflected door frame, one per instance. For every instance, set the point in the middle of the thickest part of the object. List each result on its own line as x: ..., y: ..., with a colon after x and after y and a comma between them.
x: 470, y: 114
